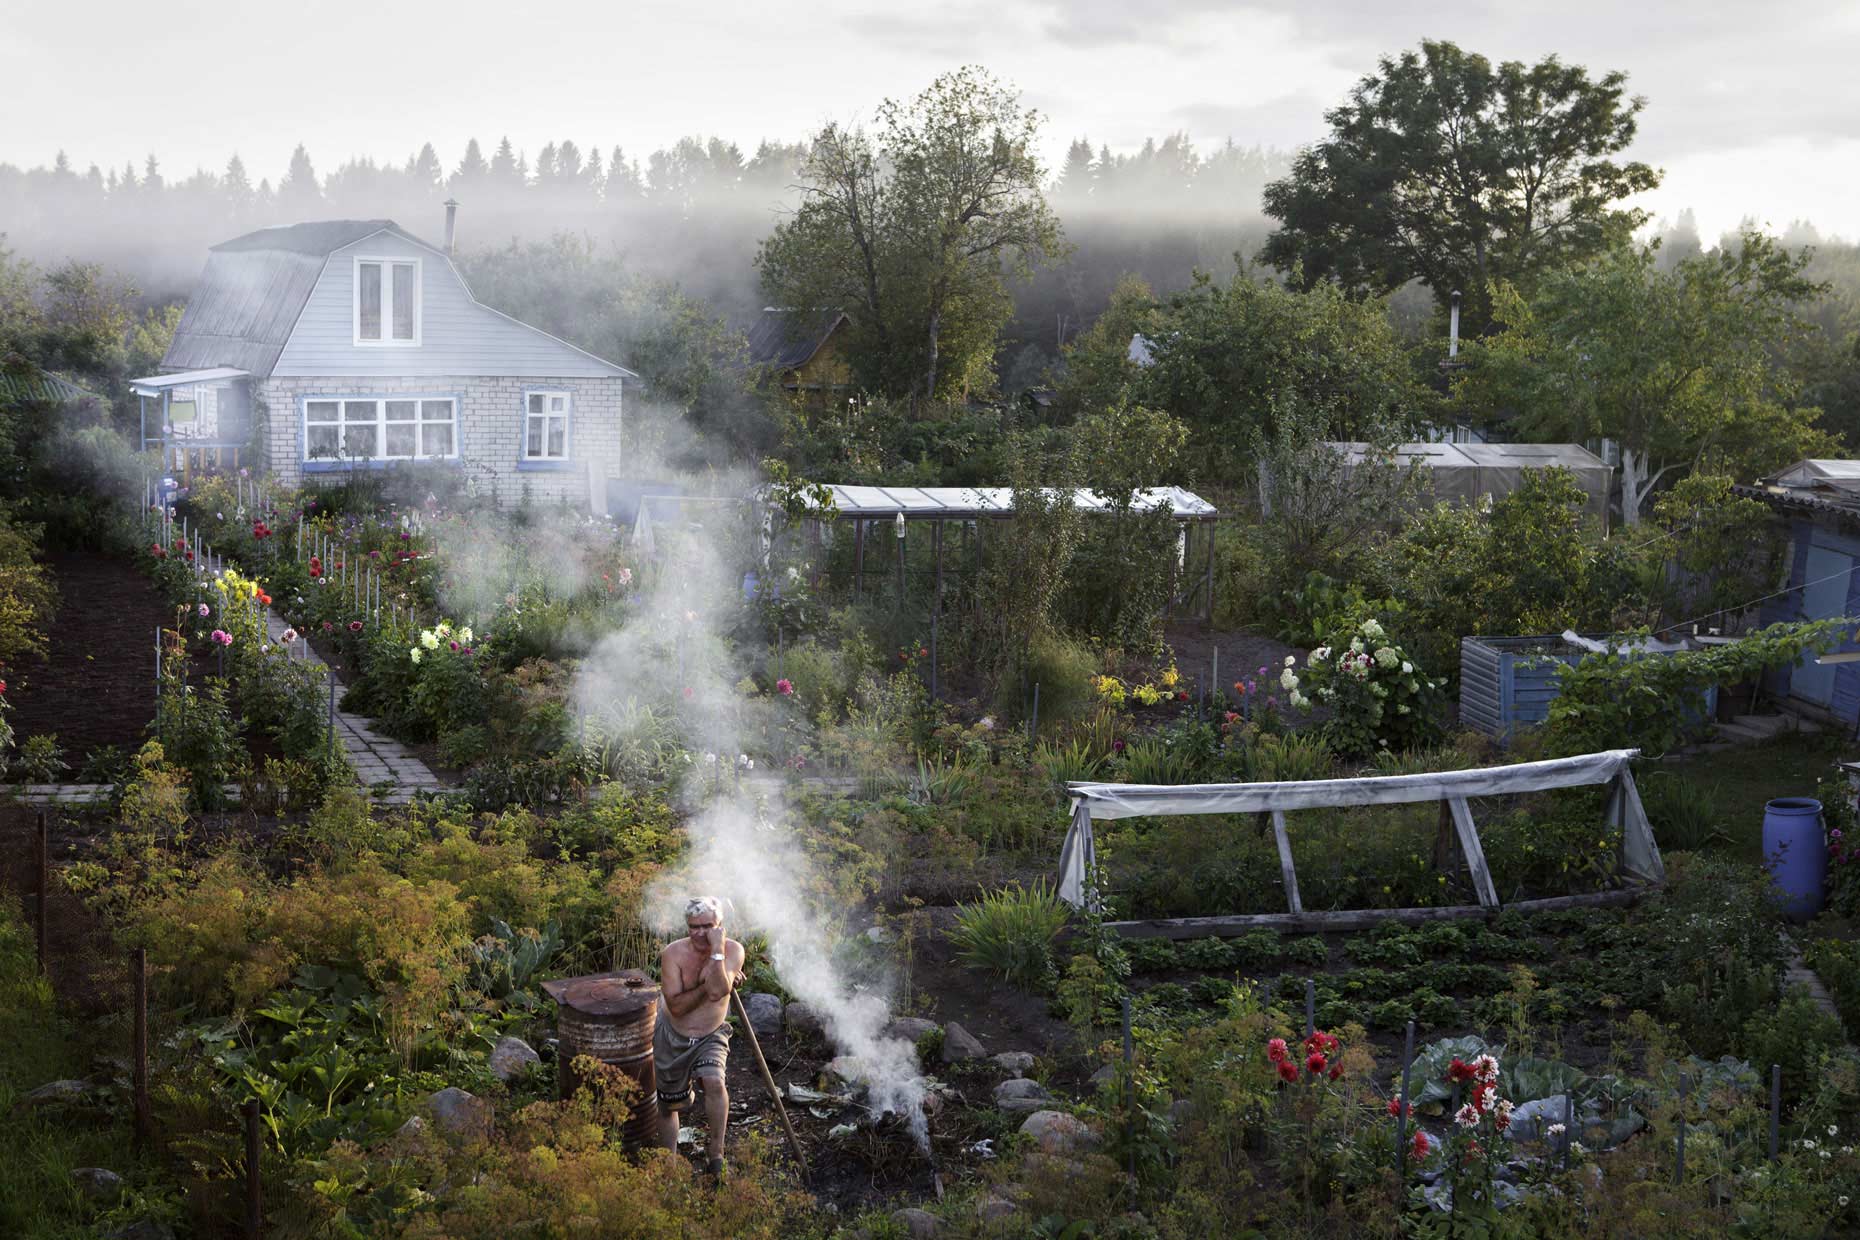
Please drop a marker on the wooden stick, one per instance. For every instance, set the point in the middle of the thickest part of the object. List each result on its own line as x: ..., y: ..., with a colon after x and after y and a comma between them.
x: 1360, y: 919
x: 768, y: 1079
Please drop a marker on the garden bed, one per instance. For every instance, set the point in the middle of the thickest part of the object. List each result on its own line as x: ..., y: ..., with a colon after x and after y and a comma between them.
x: 96, y: 692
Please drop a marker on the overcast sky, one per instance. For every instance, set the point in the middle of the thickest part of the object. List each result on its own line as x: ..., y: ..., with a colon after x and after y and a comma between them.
x: 1752, y: 108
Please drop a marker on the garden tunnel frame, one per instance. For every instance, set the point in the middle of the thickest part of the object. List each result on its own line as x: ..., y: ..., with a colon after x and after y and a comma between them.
x: 1639, y: 858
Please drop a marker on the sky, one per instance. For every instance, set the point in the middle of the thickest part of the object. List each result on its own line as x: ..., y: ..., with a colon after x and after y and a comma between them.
x: 1753, y: 109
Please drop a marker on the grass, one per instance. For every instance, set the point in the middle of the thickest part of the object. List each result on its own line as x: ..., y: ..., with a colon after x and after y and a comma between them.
x: 1741, y: 779
x: 38, y: 1200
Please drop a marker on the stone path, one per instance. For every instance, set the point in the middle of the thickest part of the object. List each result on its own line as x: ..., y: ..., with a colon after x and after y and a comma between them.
x: 383, y: 765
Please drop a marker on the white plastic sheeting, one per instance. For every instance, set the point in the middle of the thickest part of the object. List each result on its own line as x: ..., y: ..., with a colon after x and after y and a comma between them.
x: 1078, y: 855
x: 967, y: 503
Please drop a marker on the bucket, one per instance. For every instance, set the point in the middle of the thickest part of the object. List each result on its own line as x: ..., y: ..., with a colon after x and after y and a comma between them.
x: 1795, y: 850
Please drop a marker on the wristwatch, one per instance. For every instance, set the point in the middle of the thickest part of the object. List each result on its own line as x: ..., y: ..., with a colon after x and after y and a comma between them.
x: 716, y: 955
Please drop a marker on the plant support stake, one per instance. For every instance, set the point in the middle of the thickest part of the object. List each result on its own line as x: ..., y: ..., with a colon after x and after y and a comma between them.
x: 1311, y: 1007
x: 1775, y: 1107
x: 1679, y: 1165
x: 1130, y: 1091
x: 1401, y: 1109
x: 254, y: 1191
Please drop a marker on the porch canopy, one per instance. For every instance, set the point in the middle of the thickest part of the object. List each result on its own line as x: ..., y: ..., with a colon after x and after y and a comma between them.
x: 202, y: 418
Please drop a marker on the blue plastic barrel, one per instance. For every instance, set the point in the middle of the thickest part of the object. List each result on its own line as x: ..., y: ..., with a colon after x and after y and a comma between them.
x: 1796, y: 852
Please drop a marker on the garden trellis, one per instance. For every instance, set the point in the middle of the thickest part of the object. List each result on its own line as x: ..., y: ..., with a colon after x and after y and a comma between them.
x: 1639, y: 861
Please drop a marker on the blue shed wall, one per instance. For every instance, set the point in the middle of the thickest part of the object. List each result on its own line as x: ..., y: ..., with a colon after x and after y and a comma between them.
x: 1803, y: 535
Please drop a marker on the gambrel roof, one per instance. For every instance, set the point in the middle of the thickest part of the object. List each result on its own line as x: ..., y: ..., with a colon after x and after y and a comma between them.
x: 253, y: 292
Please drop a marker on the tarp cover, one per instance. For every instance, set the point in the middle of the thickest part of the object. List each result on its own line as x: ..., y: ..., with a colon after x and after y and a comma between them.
x: 1091, y: 801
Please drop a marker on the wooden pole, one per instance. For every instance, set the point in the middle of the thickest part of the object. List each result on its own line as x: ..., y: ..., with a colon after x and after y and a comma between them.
x: 858, y: 556
x: 768, y: 1079
x: 45, y: 890
x: 1401, y: 1110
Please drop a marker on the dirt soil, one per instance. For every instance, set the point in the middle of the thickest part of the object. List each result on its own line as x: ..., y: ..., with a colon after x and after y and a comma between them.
x: 1242, y: 653
x: 97, y: 688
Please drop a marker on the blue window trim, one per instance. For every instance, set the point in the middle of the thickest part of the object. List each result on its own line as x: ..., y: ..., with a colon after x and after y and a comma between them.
x: 351, y: 466
x: 553, y: 465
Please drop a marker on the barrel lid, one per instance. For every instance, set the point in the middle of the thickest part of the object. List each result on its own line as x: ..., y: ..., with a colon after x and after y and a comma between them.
x: 605, y: 994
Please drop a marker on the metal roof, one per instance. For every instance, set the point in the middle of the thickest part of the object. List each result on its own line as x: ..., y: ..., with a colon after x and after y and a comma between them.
x: 784, y: 339
x: 154, y: 385
x: 316, y: 237
x: 244, y: 308
x: 39, y: 386
x: 971, y: 502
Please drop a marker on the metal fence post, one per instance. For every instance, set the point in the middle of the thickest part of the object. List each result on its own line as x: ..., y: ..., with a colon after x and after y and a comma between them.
x: 1310, y: 1007
x: 1569, y: 1126
x: 1033, y: 724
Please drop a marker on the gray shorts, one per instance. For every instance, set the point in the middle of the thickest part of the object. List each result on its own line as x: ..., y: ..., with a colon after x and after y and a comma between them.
x: 677, y: 1058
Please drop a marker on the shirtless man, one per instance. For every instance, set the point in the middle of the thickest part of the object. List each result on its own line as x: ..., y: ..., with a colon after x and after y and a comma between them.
x: 692, y: 1039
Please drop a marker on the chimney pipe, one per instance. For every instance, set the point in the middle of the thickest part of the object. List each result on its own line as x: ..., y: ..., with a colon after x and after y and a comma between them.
x: 1453, y: 317
x: 452, y: 215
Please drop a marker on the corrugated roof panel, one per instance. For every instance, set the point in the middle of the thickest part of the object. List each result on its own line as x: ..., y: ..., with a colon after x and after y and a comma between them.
x: 964, y: 502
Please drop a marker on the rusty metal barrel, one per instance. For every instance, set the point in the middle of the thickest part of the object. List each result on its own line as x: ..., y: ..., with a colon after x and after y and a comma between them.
x: 611, y: 1017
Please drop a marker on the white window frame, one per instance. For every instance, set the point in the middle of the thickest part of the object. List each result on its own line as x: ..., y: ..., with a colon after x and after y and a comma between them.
x: 568, y: 426
x: 387, y: 263
x: 419, y: 422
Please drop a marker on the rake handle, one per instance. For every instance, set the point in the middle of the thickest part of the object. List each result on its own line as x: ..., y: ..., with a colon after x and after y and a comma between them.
x: 768, y: 1079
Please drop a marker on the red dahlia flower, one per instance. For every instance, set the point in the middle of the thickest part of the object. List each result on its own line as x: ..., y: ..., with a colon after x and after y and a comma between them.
x: 1288, y: 1070
x: 1315, y: 1064
x: 1275, y: 1050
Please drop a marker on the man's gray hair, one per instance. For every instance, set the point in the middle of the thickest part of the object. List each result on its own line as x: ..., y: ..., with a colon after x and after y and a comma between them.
x: 697, y: 906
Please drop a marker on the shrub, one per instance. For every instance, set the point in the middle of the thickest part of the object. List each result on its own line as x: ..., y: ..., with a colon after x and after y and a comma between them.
x: 1010, y: 932
x: 1378, y: 697
x: 40, y: 760
x: 1063, y: 669
x: 1796, y: 1034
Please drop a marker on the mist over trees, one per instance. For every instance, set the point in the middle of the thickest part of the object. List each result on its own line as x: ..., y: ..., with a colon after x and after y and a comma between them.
x: 651, y: 256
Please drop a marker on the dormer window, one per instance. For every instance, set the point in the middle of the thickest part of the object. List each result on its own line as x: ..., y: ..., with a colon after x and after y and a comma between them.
x: 387, y: 301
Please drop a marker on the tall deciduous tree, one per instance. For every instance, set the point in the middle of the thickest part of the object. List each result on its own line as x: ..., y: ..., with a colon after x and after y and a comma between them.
x: 1676, y: 367
x: 1447, y: 169
x: 913, y: 229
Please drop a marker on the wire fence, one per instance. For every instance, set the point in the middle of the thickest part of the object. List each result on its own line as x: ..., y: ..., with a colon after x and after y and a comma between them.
x: 106, y: 986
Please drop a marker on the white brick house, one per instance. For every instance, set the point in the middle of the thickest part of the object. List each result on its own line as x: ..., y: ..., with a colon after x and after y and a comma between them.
x: 347, y: 345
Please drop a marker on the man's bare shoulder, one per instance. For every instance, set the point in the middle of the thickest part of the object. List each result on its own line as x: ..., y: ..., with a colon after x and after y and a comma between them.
x: 673, y: 957
x: 735, y: 952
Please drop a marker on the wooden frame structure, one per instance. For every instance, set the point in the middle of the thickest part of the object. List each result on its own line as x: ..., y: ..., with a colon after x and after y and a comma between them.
x: 1640, y: 860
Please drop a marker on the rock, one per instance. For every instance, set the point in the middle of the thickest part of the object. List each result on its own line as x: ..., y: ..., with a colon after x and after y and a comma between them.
x: 54, y: 1094
x: 1056, y: 1169
x: 764, y: 1014
x: 910, y: 1028
x: 918, y: 1224
x: 801, y: 1021
x: 877, y: 934
x: 1056, y: 1132
x: 412, y: 1130
x: 1104, y: 1076
x: 511, y: 1057
x: 460, y: 1113
x: 959, y: 1044
x: 996, y: 1209
x: 1181, y: 1111
x: 98, y: 1183
x: 1021, y: 1096
x: 845, y: 1070
x: 1014, y: 1063
x: 142, y: 1229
